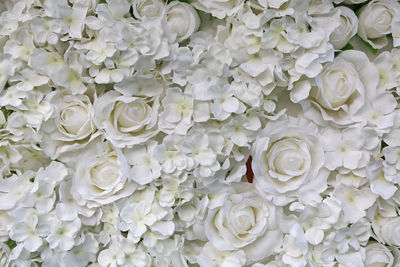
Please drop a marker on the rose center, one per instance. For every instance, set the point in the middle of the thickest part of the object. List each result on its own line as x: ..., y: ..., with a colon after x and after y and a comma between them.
x: 148, y: 9
x: 73, y: 118
x: 244, y: 220
x: 132, y: 114
x: 104, y: 174
x: 289, y: 161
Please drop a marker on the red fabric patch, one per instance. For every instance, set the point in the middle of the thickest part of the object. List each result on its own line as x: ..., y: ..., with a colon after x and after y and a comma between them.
x: 249, y: 171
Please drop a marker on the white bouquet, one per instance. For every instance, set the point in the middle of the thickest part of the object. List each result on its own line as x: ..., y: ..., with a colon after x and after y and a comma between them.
x: 229, y: 133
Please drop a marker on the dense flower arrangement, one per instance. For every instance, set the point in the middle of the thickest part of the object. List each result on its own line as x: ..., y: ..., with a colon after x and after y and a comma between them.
x: 206, y: 133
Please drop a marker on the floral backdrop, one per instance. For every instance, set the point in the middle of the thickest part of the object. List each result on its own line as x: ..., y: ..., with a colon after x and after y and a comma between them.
x: 259, y: 133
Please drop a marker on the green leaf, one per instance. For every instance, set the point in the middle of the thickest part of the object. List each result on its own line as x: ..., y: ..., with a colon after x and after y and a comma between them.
x: 7, y: 112
x: 348, y: 47
x: 373, y: 50
x: 103, y: 2
x: 11, y: 243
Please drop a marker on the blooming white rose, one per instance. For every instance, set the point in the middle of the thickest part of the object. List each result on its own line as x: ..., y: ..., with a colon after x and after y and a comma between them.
x: 244, y: 220
x: 70, y: 126
x: 378, y: 255
x: 126, y: 120
x: 347, y: 29
x: 182, y: 20
x: 376, y: 21
x: 209, y: 255
x: 288, y: 162
x: 149, y: 9
x: 350, y: 2
x: 103, y: 177
x: 342, y: 90
x: 219, y: 8
x: 388, y: 230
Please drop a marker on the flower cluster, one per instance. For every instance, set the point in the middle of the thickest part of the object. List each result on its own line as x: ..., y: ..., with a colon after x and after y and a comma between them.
x: 203, y: 133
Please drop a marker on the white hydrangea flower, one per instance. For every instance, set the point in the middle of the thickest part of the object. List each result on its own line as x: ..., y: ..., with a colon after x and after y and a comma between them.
x: 52, y: 65
x: 353, y: 237
x: 171, y: 157
x: 28, y: 80
x: 225, y: 103
x: 346, y: 149
x: 176, y: 116
x: 198, y: 146
x: 30, y: 232
x: 21, y: 46
x: 62, y: 233
x: 13, y: 189
x: 7, y: 69
x: 385, y: 62
x: 45, y: 30
x: 295, y: 247
x: 84, y: 253
x: 42, y: 195
x: 145, y: 166
x: 391, y: 164
x: 8, y: 155
x: 242, y: 129
x: 143, y: 212
x: 354, y: 201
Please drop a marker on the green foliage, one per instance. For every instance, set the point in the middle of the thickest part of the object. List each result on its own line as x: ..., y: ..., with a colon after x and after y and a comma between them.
x: 348, y: 47
x: 373, y: 50
x: 11, y: 243
x: 7, y: 112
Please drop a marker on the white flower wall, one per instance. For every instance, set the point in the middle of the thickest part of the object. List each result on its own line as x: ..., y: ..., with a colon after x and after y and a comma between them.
x: 205, y: 133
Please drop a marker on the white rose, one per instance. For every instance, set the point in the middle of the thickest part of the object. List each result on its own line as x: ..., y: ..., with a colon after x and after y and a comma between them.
x: 342, y: 90
x: 288, y: 162
x: 350, y: 2
x: 347, y: 29
x: 244, y: 220
x: 103, y: 176
x: 149, y: 9
x: 376, y: 21
x: 219, y: 8
x: 377, y: 255
x: 70, y: 126
x: 388, y: 230
x: 126, y: 120
x: 182, y: 20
